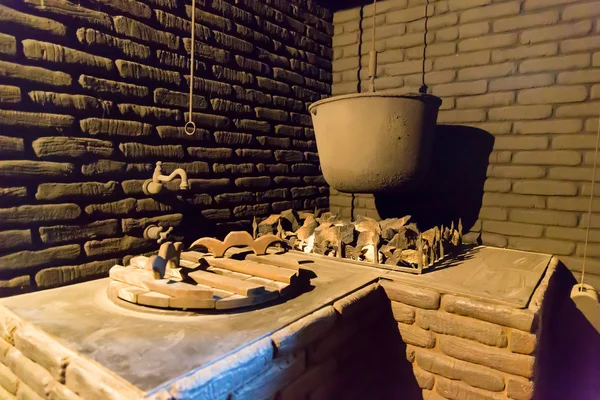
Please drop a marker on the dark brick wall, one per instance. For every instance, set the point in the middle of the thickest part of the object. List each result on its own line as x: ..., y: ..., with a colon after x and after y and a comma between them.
x: 93, y: 93
x: 523, y: 73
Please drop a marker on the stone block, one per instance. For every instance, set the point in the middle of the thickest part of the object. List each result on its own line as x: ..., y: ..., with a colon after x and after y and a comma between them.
x: 461, y: 391
x: 34, y: 74
x: 468, y: 328
x: 8, y: 45
x: 43, y: 350
x: 252, y: 65
x: 499, y: 359
x: 103, y: 168
x: 235, y: 198
x: 279, y: 374
x: 253, y: 182
x: 412, y: 334
x: 513, y: 228
x: 209, y: 121
x: 8, y: 381
x: 132, y: 28
x: 23, y: 119
x: 519, y: 389
x: 521, y: 82
x: 424, y: 379
x: 32, y: 22
x: 30, y: 373
x: 255, y: 210
x: 69, y: 191
x: 10, y: 146
x: 255, y: 155
x: 108, y: 87
x: 40, y: 258
x: 274, y: 169
x: 414, y: 296
x: 139, y: 151
x: 233, y: 138
x: 136, y: 71
x: 94, y: 38
x: 60, y: 276
x: 113, y: 246
x: 178, y: 132
x: 403, y: 313
x: 356, y: 303
x: 485, y: 100
x: 497, y: 314
x: 116, y: 208
x: 544, y: 217
x: 305, y: 169
x: 71, y: 233
x: 173, y: 22
x: 214, y: 154
x: 15, y: 239
x: 73, y: 12
x: 9, y: 287
x: 546, y: 187
x: 54, y: 53
x: 473, y: 374
x: 10, y: 94
x: 178, y: 99
x: 314, y: 377
x: 64, y: 146
x: 71, y: 101
x: 234, y: 169
x: 215, y: 380
x: 305, y: 331
x: 216, y: 214
x: 22, y: 215
x: 210, y: 185
x: 251, y: 95
x: 538, y: 245
x: 522, y: 342
x: 91, y: 381
x: 135, y: 111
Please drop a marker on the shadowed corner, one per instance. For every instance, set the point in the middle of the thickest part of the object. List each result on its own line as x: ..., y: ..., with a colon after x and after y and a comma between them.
x: 568, y: 361
x: 453, y: 185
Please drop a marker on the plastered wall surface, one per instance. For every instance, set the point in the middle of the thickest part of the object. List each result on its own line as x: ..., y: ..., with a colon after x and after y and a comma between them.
x: 526, y: 74
x: 93, y: 93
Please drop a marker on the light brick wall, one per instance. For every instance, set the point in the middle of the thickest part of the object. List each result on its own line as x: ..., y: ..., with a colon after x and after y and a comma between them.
x: 92, y: 94
x: 528, y: 72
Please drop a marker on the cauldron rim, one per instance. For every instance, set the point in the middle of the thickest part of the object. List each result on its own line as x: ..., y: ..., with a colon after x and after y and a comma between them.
x: 434, y: 100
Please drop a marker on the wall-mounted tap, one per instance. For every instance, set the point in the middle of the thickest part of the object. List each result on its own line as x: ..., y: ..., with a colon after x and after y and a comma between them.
x: 155, y: 185
x: 155, y: 232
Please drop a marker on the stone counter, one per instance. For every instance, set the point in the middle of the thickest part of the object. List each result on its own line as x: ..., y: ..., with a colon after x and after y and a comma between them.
x: 380, y: 334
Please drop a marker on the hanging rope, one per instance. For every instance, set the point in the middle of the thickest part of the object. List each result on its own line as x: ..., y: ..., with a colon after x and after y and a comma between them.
x: 373, y: 53
x: 587, y: 230
x: 190, y: 126
x: 423, y: 88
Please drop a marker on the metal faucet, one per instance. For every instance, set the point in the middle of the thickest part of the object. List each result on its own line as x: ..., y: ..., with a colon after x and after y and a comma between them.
x: 155, y: 185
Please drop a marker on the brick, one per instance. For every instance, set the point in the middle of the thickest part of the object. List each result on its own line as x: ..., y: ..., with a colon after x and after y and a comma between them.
x: 139, y: 151
x: 515, y: 172
x: 526, y: 21
x: 89, y: 380
x: 544, y: 217
x: 572, y: 204
x: 41, y: 258
x: 70, y: 233
x: 11, y: 146
x: 305, y: 331
x: 121, y: 207
x: 547, y: 127
x: 493, y: 213
x: 454, y: 116
x: 574, y: 142
x: 34, y: 74
x: 555, y: 63
x: 468, y: 328
x: 486, y: 100
x: 108, y: 87
x: 581, y: 11
x: 491, y: 239
x: 40, y: 213
x: 253, y: 182
x: 519, y: 389
x: 520, y: 82
x: 417, y: 297
x: 497, y: 128
x: 573, y: 234
x: 114, y: 246
x: 522, y: 342
x: 523, y: 52
x: 15, y: 239
x: 520, y: 142
x: 513, y: 200
x: 548, y: 246
x: 460, y: 88
x: 513, y: 228
x: 545, y: 187
x: 580, y: 45
x: 403, y: 313
x: 412, y: 334
x: 251, y: 210
x: 10, y: 94
x: 30, y: 22
x: 178, y: 99
x: 459, y: 390
x: 520, y: 113
x: 554, y: 94
x: 492, y: 71
x: 547, y: 157
x: 491, y: 11
x: 138, y: 224
x: 8, y: 45
x: 488, y: 42
x: 53, y: 53
x: 472, y: 374
x: 132, y: 28
x: 94, y: 38
x: 475, y: 29
x: 557, y: 32
x: 589, y: 108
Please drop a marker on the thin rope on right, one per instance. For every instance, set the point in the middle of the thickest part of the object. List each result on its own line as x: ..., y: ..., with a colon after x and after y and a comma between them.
x: 190, y: 126
x: 587, y: 230
x: 373, y: 54
x: 423, y: 88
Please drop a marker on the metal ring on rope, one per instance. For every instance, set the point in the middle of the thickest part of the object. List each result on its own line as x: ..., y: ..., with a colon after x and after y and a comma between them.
x: 190, y: 128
